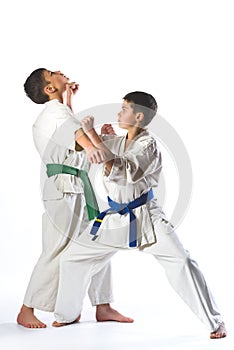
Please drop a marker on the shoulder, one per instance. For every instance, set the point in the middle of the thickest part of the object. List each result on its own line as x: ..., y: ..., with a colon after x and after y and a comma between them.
x: 145, y: 139
x: 54, y: 109
x: 57, y: 109
x: 53, y: 115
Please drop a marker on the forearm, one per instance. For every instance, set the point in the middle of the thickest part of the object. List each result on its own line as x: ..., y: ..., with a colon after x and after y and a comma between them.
x: 69, y: 103
x: 67, y: 98
x: 97, y: 142
x: 94, y: 138
x: 71, y: 89
x: 83, y: 140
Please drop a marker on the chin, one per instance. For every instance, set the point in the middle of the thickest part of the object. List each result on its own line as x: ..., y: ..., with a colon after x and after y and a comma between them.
x: 122, y: 126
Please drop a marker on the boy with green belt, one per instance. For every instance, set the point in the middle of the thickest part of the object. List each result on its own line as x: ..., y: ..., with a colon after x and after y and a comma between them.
x: 67, y: 196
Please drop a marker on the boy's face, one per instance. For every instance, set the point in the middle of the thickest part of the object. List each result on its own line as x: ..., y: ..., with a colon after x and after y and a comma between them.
x: 56, y: 79
x: 126, y: 117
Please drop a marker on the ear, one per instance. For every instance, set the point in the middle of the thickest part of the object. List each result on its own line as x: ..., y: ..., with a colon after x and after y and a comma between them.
x: 49, y: 89
x: 139, y: 117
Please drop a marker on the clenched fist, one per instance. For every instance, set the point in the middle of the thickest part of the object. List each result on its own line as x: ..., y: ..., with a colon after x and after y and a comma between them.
x: 107, y: 129
x: 96, y: 155
x: 87, y: 123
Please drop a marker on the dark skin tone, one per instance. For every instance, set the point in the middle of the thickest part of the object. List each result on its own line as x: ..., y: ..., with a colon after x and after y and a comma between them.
x: 58, y: 87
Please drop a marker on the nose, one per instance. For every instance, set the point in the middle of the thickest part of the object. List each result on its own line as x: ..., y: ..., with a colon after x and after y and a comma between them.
x: 58, y: 72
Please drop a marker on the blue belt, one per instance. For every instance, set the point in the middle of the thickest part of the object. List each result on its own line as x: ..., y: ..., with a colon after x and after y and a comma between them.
x: 123, y: 208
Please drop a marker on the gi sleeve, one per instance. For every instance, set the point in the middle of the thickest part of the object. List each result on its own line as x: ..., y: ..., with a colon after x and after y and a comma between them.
x: 65, y: 132
x: 111, y: 142
x: 140, y: 159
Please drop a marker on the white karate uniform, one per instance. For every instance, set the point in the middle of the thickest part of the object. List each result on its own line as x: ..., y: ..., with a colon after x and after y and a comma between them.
x: 65, y: 208
x: 133, y: 173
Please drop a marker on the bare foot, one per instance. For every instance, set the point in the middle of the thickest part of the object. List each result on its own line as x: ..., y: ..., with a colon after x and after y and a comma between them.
x: 220, y: 333
x: 105, y: 312
x: 27, y: 318
x: 57, y: 324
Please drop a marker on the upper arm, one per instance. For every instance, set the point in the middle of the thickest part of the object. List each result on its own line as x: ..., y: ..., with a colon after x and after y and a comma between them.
x: 66, y: 131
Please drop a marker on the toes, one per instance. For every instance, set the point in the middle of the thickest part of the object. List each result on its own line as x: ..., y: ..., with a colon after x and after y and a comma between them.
x: 56, y: 324
x: 217, y: 335
x: 32, y: 325
x: 35, y: 325
x: 30, y: 322
x: 42, y: 325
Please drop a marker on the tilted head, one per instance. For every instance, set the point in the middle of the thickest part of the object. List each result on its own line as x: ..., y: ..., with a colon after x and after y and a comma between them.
x: 43, y: 85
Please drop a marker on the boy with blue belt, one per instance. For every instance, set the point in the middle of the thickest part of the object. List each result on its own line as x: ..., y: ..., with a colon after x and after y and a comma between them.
x: 133, y: 220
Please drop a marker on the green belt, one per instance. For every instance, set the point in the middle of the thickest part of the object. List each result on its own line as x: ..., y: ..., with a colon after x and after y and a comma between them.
x: 91, y: 202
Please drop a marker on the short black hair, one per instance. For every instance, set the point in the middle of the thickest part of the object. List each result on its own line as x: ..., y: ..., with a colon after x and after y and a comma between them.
x: 143, y: 102
x: 34, y: 86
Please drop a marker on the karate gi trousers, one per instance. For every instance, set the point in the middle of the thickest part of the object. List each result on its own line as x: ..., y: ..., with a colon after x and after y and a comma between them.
x: 85, y: 258
x: 62, y: 222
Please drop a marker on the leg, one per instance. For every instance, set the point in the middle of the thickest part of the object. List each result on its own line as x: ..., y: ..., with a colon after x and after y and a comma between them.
x: 60, y: 223
x: 100, y: 293
x: 84, y: 264
x: 42, y: 289
x: 185, y: 277
x: 100, y: 289
x: 77, y: 266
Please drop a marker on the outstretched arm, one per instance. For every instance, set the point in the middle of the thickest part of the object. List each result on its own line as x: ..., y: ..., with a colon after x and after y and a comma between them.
x: 94, y: 154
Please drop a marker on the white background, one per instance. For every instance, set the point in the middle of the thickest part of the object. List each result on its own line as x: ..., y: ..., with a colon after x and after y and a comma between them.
x: 179, y: 51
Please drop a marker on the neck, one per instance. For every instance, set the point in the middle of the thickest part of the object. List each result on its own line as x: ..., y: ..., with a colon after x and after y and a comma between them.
x: 56, y: 96
x: 132, y: 133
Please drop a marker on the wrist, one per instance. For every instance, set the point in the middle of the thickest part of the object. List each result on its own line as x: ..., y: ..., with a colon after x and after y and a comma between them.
x: 90, y: 131
x: 89, y: 148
